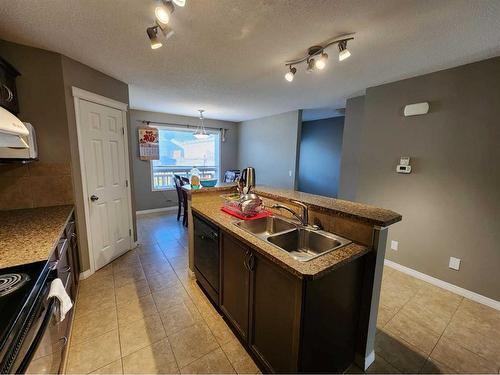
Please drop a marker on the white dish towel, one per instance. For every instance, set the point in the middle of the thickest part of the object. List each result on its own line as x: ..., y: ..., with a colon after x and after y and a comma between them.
x: 57, y: 290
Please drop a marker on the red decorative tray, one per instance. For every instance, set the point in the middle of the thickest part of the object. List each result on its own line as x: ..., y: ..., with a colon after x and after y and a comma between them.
x: 263, y: 213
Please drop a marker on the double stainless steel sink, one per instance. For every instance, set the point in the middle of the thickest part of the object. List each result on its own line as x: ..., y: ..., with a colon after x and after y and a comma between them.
x: 301, y: 243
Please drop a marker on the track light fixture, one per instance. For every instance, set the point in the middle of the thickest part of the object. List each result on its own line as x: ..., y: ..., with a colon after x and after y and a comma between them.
x: 163, y: 11
x: 316, y: 57
x: 153, y: 37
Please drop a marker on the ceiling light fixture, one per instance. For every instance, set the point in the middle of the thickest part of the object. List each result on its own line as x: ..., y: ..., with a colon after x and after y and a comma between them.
x: 289, y: 75
x: 179, y: 3
x: 316, y: 57
x: 343, y: 51
x: 201, y: 132
x: 153, y: 37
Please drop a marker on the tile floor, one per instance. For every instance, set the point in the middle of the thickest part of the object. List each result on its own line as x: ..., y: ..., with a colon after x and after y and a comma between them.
x: 143, y: 314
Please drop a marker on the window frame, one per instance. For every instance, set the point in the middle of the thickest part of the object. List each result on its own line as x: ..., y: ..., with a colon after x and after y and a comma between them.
x: 187, y: 129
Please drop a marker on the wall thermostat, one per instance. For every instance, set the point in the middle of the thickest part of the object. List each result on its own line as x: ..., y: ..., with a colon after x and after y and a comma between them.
x: 404, y: 165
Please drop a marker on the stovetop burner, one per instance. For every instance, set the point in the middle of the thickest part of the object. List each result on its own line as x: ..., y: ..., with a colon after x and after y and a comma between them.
x: 10, y: 282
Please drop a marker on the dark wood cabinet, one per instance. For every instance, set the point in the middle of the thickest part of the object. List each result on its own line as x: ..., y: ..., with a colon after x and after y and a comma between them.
x: 289, y: 324
x: 276, y: 300
x: 8, y: 91
x: 235, y: 282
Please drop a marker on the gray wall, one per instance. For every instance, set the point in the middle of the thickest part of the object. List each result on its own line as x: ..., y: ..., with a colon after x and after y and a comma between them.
x: 269, y: 145
x: 320, y: 151
x: 349, y: 165
x: 145, y: 199
x: 86, y: 78
x: 451, y: 202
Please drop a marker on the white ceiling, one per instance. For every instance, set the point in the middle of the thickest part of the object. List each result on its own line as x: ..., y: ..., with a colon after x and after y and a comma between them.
x: 227, y: 55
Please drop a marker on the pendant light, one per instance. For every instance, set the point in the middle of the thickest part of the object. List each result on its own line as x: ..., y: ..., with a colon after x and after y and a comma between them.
x: 201, y: 132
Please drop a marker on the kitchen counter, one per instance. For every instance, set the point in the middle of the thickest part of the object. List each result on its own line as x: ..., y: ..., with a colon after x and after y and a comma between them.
x: 209, y: 208
x: 31, y: 235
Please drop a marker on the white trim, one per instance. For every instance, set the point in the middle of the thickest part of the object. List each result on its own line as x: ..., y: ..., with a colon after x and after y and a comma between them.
x: 85, y: 274
x: 95, y: 98
x: 443, y: 284
x: 366, y: 362
x: 153, y: 210
x: 79, y: 94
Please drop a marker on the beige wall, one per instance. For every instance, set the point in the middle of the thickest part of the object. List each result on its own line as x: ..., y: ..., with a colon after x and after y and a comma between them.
x: 144, y: 198
x: 46, y: 182
x: 451, y: 201
x: 81, y: 76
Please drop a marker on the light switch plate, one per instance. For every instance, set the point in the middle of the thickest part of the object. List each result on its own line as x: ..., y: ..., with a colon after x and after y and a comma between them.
x: 394, y: 245
x: 454, y: 263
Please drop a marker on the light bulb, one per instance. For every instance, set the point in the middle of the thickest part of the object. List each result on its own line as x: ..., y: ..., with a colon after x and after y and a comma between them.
x: 153, y: 37
x: 289, y: 75
x: 179, y: 3
x: 155, y: 44
x: 344, y: 54
x: 321, y: 62
x: 162, y: 15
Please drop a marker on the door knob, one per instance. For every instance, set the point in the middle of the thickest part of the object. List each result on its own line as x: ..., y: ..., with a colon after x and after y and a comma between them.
x: 93, y: 198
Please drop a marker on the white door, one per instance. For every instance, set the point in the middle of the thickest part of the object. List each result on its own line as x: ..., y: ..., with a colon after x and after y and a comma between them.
x: 105, y: 171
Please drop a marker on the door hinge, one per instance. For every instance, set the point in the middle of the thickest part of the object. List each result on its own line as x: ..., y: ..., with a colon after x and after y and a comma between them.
x: 126, y: 183
x: 123, y: 131
x: 130, y: 232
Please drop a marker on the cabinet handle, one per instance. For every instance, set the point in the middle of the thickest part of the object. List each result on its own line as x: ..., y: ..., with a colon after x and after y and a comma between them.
x: 9, y: 92
x: 245, y: 261
x: 66, y: 269
x: 251, y: 262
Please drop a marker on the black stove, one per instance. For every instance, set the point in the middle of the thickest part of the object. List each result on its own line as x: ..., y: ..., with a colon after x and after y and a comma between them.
x: 21, y: 289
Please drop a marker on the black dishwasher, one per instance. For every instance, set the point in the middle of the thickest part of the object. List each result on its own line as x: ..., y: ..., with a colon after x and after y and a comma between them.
x: 206, y: 257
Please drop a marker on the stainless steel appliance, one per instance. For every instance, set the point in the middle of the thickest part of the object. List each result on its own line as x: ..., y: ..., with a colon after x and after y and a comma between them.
x: 26, y: 313
x: 248, y: 179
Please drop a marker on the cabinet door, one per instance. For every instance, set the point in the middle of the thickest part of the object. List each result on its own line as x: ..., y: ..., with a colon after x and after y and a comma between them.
x: 235, y: 283
x: 276, y: 297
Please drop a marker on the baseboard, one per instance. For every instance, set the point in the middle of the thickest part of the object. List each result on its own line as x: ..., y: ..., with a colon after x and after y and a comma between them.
x: 85, y: 274
x: 443, y: 284
x: 153, y: 210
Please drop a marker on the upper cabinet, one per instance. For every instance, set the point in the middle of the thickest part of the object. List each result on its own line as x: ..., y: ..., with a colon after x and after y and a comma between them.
x: 8, y: 92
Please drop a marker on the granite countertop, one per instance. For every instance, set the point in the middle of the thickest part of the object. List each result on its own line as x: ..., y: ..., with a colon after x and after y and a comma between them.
x: 31, y: 235
x: 209, y: 208
x: 357, y: 211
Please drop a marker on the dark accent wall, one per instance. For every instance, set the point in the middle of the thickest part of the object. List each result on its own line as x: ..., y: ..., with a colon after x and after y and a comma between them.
x: 451, y: 201
x: 320, y: 152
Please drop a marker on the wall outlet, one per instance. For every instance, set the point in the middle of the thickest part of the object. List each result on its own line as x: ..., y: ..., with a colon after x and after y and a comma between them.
x: 454, y: 263
x: 394, y: 245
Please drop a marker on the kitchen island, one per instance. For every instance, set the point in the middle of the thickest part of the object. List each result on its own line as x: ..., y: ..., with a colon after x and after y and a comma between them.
x: 291, y: 315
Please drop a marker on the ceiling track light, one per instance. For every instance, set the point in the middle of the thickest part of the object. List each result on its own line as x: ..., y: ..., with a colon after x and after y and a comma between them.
x: 316, y: 57
x: 163, y: 10
x: 153, y: 37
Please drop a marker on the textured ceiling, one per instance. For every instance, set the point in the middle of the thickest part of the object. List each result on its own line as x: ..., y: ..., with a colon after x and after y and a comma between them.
x: 227, y: 55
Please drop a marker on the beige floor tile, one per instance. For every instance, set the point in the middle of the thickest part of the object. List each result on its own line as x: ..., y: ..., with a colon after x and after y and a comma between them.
x: 454, y: 356
x: 113, y: 368
x: 413, y: 332
x: 97, y: 282
x: 399, y: 353
x: 437, y: 301
x: 192, y: 343
x: 425, y: 317
x: 157, y: 358
x: 153, y: 258
x: 100, y: 300
x: 395, y: 296
x: 149, y: 248
x: 176, y: 318
x: 125, y: 277
x: 384, y: 315
x: 239, y: 358
x: 168, y: 297
x: 381, y: 366
x: 141, y: 333
x: 486, y: 314
x: 475, y: 334
x: 177, y: 251
x: 155, y: 268
x: 132, y: 291
x: 159, y: 281
x: 432, y: 366
x: 212, y: 363
x: 93, y: 324
x: 94, y: 354
x: 179, y: 262
x: 136, y: 309
x: 220, y: 329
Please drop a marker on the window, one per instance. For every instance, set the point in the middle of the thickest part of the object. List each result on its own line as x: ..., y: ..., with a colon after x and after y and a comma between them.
x: 180, y: 151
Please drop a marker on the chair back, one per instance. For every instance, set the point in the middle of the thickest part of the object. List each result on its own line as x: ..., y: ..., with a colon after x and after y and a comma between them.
x: 178, y: 186
x: 231, y: 175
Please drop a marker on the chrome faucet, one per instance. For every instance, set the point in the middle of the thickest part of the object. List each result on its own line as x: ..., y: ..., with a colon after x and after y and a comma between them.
x: 304, y: 218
